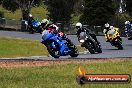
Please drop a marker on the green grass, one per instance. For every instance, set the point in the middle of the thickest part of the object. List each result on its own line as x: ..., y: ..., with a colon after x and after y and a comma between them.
x: 62, y: 76
x: 21, y: 47
x: 38, y: 13
x: 11, y: 47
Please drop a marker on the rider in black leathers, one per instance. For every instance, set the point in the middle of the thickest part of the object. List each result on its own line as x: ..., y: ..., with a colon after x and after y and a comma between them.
x: 80, y: 29
x: 30, y: 20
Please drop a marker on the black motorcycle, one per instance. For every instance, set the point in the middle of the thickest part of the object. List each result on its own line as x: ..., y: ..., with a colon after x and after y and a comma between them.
x: 89, y: 43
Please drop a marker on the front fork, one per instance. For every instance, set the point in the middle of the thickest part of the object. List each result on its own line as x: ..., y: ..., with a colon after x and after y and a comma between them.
x: 53, y: 45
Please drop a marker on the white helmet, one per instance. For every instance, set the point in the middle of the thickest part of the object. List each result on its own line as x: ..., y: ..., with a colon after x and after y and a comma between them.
x: 56, y: 27
x: 30, y: 15
x: 78, y: 25
x: 45, y: 21
x: 111, y: 27
x: 107, y: 25
x: 127, y: 22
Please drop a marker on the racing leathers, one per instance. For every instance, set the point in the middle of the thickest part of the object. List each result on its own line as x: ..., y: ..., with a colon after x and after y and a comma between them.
x: 105, y: 31
x: 128, y: 28
x: 30, y: 20
x: 83, y: 29
x: 52, y: 28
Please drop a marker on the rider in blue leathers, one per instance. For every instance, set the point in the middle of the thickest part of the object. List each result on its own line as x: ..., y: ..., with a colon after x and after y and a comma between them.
x: 46, y: 25
x: 128, y: 28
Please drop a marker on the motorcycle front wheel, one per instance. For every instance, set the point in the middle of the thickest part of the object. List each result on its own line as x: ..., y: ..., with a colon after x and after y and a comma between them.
x: 90, y: 47
x: 53, y: 52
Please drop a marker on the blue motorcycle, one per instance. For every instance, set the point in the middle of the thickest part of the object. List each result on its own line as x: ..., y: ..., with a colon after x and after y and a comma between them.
x: 57, y: 46
x: 128, y: 31
x: 35, y: 27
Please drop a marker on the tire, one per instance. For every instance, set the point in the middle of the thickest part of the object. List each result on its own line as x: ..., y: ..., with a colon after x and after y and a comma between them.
x: 130, y: 38
x: 31, y: 31
x: 74, y: 52
x: 99, y: 50
x: 53, y: 52
x: 38, y: 30
x: 119, y: 45
x: 90, y: 47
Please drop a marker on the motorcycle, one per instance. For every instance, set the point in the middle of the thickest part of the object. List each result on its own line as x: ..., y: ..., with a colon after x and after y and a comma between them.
x: 130, y: 35
x: 128, y: 32
x: 34, y: 27
x: 114, y: 38
x: 57, y: 46
x: 89, y: 43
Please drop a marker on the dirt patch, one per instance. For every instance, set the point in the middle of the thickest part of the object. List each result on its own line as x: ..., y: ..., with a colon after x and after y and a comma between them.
x: 18, y: 64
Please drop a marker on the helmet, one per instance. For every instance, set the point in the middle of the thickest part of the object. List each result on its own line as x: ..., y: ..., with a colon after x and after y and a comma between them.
x: 111, y: 27
x: 54, y: 26
x: 107, y: 25
x: 78, y: 25
x: 127, y: 22
x: 57, y: 28
x: 45, y: 21
x: 30, y: 15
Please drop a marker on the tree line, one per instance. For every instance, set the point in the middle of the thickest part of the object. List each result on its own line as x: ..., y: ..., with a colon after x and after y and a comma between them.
x: 92, y: 12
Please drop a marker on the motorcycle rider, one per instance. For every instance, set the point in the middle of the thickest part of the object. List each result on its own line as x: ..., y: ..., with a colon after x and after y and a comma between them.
x: 30, y: 19
x: 109, y: 28
x: 128, y: 27
x: 46, y: 25
x: 29, y: 22
x: 80, y: 29
x: 106, y: 29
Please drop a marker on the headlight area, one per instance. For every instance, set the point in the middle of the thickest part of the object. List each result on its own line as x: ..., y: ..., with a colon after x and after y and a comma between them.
x: 81, y: 41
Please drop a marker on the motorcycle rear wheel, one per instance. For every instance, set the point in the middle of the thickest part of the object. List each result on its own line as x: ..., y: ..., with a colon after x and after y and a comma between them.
x: 99, y: 49
x: 120, y: 47
x: 130, y: 38
x: 31, y: 31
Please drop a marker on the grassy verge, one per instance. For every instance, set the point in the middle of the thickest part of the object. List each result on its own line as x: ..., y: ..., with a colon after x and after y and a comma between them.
x: 22, y: 48
x: 38, y: 12
x: 62, y: 76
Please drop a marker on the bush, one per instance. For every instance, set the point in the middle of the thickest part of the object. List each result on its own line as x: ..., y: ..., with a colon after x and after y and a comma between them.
x: 1, y: 14
x: 119, y: 21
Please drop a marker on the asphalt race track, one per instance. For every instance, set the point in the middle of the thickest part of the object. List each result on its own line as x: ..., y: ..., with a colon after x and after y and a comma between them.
x: 108, y: 50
